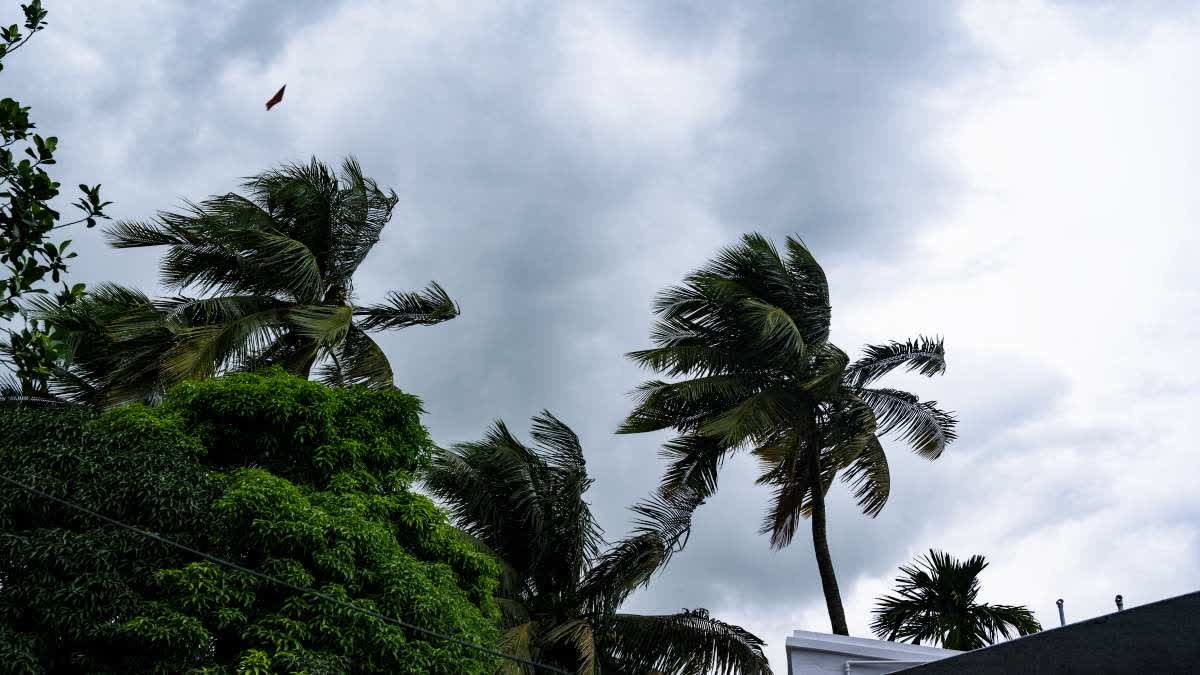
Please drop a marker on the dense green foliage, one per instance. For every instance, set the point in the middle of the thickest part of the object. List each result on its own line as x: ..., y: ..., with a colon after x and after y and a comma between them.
x: 936, y: 603
x: 273, y: 472
x: 27, y: 223
x: 560, y: 595
x: 275, y: 269
x: 748, y: 337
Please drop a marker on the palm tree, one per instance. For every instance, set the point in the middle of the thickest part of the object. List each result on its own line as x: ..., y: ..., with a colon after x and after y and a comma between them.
x: 935, y: 603
x: 748, y: 334
x: 560, y: 594
x: 275, y: 268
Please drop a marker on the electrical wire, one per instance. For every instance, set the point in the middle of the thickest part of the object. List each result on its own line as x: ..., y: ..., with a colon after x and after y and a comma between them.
x: 294, y: 587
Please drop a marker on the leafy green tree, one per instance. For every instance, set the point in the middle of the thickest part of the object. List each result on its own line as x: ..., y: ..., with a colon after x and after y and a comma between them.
x: 276, y: 267
x: 936, y: 603
x: 27, y: 223
x: 281, y: 475
x: 748, y: 337
x: 560, y: 596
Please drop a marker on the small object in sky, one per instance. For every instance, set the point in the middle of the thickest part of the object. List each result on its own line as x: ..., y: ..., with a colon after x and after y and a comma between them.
x: 276, y: 98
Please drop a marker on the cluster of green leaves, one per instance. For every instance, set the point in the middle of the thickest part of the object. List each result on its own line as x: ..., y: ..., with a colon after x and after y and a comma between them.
x: 27, y: 223
x: 275, y: 473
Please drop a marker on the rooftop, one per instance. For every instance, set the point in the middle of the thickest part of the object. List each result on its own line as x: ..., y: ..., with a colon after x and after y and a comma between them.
x: 1161, y: 637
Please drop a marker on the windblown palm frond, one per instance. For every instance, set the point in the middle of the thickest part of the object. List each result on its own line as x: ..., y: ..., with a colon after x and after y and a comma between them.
x: 517, y: 640
x: 10, y: 386
x: 868, y: 475
x: 661, y: 529
x: 785, y: 468
x: 693, y: 465
x: 430, y: 306
x: 495, y: 491
x: 936, y: 603
x: 926, y: 356
x: 357, y: 359
x: 106, y: 363
x: 688, y: 642
x: 578, y: 634
x: 573, y: 527
x: 924, y: 426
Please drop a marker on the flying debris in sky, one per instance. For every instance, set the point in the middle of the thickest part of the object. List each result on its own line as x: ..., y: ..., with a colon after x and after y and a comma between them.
x: 276, y: 98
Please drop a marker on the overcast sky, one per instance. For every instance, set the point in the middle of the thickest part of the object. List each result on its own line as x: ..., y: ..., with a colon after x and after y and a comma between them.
x: 1020, y: 177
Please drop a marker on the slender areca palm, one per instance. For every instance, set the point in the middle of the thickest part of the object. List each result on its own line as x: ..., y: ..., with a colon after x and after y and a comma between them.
x: 560, y: 594
x: 935, y: 603
x: 276, y: 268
x: 748, y: 337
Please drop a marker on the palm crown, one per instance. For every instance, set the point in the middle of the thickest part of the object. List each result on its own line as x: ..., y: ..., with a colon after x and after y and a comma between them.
x: 276, y: 269
x: 747, y: 339
x: 935, y: 602
x: 559, y: 592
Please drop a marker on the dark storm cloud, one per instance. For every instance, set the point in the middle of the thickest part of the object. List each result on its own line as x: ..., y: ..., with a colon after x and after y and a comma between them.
x: 835, y: 109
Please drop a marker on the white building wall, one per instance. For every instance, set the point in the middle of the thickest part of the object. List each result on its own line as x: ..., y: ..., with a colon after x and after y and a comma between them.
x: 822, y: 653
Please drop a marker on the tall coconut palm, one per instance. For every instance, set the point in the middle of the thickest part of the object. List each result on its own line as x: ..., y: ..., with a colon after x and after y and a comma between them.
x: 275, y: 269
x: 747, y: 339
x: 560, y: 594
x: 935, y: 603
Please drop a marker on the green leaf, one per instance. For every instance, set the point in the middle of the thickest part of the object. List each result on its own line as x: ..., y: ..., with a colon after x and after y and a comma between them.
x: 924, y: 355
x: 430, y: 306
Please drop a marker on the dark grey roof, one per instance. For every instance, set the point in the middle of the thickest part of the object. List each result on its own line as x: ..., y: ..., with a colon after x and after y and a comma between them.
x: 1161, y: 637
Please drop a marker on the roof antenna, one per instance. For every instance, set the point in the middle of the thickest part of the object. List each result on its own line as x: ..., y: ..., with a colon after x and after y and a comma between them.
x: 1120, y: 602
x: 1062, y: 618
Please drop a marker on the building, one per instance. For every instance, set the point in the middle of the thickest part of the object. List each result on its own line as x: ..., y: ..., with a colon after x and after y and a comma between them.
x: 814, y: 653
x: 1161, y: 637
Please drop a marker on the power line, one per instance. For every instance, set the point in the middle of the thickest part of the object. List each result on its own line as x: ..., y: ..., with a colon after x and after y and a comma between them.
x: 294, y: 587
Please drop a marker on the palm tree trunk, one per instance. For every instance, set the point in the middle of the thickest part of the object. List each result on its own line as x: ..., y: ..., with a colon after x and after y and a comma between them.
x: 833, y: 598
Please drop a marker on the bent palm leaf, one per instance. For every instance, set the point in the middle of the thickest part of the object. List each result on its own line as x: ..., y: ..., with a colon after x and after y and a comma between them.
x: 924, y: 355
x: 688, y: 642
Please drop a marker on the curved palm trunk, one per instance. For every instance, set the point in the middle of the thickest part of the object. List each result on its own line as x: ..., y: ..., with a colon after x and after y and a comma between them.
x: 833, y: 598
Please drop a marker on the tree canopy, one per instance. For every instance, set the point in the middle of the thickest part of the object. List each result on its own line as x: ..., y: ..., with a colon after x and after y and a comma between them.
x: 272, y: 472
